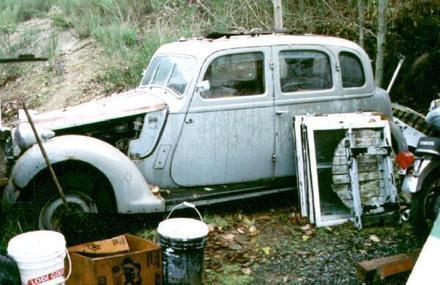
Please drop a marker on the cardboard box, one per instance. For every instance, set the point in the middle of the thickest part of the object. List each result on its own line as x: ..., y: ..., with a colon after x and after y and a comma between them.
x: 141, y: 265
x: 109, y: 246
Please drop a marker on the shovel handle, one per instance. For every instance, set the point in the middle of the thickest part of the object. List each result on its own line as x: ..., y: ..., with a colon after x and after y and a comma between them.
x: 185, y: 205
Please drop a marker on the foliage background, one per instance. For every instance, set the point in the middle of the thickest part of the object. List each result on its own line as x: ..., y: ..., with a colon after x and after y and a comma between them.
x: 130, y: 31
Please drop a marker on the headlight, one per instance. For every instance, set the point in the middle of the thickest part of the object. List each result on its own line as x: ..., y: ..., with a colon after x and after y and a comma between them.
x: 24, y: 136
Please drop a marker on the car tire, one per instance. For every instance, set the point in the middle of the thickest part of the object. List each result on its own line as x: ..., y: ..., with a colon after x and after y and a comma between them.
x: 85, y: 191
x: 425, y: 207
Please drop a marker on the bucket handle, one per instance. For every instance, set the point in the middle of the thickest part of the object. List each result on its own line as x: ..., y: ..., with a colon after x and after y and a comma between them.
x: 70, y: 266
x: 185, y: 205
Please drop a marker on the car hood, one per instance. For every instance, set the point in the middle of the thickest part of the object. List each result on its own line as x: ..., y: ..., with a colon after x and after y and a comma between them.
x: 125, y: 104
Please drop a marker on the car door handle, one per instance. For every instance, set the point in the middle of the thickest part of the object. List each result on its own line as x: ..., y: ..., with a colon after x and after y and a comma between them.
x: 281, y: 112
x: 189, y: 120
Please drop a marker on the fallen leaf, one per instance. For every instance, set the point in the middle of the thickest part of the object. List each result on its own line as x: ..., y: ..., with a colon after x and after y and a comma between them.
x: 303, y: 253
x: 305, y: 237
x: 264, y: 218
x: 211, y: 227
x: 241, y: 230
x: 248, y: 222
x: 374, y: 238
x: 240, y: 239
x: 234, y: 246
x: 253, y: 231
x: 306, y: 227
x: 246, y: 271
x: 266, y: 250
x: 228, y: 237
x: 217, y: 267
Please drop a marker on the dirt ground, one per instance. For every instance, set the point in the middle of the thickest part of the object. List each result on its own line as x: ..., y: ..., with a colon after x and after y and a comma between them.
x: 273, y: 245
x: 264, y: 241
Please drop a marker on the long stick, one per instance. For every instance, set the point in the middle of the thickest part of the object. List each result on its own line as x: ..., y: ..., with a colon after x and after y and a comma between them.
x: 46, y: 158
x: 396, y: 72
x: 22, y: 58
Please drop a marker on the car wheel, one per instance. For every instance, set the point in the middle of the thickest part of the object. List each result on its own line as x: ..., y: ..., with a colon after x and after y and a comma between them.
x: 85, y: 192
x: 52, y: 212
x: 425, y: 207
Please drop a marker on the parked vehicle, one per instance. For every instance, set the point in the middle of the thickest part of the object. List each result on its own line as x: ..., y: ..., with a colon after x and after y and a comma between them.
x: 211, y: 121
x: 423, y: 178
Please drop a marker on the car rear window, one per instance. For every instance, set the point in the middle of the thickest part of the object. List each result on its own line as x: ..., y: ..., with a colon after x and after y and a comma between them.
x: 303, y: 70
x: 351, y: 70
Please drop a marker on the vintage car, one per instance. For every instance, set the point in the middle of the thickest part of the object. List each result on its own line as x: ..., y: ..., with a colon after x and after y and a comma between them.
x: 211, y: 121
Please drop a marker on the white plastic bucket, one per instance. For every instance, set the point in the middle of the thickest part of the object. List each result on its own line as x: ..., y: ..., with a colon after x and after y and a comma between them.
x: 40, y: 257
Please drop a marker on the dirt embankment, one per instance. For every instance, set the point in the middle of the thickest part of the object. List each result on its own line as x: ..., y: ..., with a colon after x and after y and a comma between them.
x: 68, y: 78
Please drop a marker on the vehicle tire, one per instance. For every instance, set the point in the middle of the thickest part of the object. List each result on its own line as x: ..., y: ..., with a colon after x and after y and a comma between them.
x: 425, y: 207
x: 86, y: 191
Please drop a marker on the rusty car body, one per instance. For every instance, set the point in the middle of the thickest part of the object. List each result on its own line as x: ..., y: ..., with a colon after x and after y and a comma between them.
x: 210, y: 122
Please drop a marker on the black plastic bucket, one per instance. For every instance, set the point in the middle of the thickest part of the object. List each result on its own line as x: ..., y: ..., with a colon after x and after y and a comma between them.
x: 183, y: 244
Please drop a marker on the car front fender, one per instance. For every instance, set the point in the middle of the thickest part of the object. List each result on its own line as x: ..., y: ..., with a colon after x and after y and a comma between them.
x: 132, y: 193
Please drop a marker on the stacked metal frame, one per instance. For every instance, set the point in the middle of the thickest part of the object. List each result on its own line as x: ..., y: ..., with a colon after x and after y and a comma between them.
x: 347, y: 125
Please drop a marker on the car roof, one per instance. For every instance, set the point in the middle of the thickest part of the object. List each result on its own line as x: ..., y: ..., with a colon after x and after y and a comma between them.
x: 203, y: 47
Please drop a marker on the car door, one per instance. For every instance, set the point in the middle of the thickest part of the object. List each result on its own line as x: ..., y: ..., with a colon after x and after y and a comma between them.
x: 305, y: 83
x: 228, y: 134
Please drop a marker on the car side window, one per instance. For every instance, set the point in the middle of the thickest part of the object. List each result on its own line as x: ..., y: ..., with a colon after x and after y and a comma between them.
x: 240, y: 74
x: 351, y: 70
x: 302, y: 70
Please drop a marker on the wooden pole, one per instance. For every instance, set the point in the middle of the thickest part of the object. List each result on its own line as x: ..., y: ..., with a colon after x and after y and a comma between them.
x: 278, y: 15
x: 360, y: 6
x: 381, y: 41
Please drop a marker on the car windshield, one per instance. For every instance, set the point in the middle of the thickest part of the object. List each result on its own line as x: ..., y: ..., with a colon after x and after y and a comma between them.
x: 173, y: 72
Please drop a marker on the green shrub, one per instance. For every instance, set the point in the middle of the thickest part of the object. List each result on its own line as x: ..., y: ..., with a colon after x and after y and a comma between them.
x: 58, y: 18
x: 16, y: 11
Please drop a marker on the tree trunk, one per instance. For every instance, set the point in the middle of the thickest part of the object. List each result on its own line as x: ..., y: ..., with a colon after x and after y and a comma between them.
x: 381, y: 39
x: 360, y: 6
x: 278, y: 15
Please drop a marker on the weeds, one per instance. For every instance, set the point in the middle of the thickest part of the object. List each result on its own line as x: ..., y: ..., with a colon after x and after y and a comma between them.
x: 12, y: 45
x: 9, y: 226
x: 13, y: 12
x: 231, y: 275
x: 217, y: 220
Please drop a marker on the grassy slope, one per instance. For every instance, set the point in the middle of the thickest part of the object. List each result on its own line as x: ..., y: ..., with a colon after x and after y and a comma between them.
x: 130, y: 31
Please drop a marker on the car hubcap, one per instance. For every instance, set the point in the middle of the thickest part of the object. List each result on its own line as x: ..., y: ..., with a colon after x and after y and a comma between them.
x: 51, y: 213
